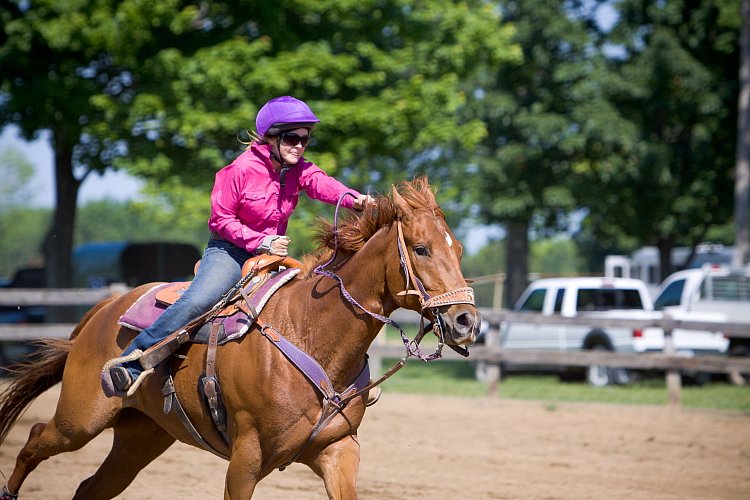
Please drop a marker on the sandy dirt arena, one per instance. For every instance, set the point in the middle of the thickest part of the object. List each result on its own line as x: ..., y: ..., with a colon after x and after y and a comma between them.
x: 416, y: 447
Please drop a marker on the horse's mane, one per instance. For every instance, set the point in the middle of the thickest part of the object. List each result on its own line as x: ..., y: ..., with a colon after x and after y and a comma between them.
x: 355, y: 229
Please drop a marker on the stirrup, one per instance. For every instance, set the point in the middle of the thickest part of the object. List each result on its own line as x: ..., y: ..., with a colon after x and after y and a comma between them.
x: 108, y: 384
x: 121, y: 378
x: 373, y: 396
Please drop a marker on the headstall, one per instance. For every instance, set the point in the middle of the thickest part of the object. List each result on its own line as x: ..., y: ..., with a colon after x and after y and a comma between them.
x: 463, y: 295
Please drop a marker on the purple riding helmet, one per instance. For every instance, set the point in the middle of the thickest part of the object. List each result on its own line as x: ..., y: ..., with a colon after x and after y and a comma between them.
x: 284, y: 113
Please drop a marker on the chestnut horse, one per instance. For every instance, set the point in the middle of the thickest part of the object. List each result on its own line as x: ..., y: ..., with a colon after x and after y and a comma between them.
x: 271, y: 407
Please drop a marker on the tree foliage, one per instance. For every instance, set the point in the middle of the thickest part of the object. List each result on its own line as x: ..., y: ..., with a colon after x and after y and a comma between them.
x: 676, y: 64
x: 525, y: 112
x: 16, y: 172
x: 164, y: 88
x: 22, y: 230
x: 548, y: 121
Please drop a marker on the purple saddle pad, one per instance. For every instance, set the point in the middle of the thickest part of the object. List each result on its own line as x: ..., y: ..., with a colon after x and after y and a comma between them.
x: 147, y: 309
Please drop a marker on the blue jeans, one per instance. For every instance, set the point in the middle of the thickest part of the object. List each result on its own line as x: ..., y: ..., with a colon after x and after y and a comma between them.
x: 220, y: 269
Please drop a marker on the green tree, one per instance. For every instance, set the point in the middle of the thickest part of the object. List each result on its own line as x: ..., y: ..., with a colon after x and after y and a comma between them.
x: 20, y: 228
x: 556, y: 256
x: 677, y: 62
x: 549, y: 124
x: 163, y: 88
x: 16, y: 173
x: 138, y: 221
x: 487, y: 261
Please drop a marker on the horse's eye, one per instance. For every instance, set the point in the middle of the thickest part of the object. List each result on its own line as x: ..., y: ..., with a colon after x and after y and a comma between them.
x: 422, y: 251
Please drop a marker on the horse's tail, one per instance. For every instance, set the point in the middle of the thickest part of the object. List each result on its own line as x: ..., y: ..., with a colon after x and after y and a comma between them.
x: 31, y: 378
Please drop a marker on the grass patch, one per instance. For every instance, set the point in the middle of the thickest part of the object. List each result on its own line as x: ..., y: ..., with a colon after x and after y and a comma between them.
x: 453, y: 378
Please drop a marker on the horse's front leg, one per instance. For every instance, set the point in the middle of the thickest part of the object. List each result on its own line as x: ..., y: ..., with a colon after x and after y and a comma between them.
x: 338, y: 464
x: 244, y: 469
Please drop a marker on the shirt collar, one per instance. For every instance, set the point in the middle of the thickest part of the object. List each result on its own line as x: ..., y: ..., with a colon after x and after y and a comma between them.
x: 263, y: 151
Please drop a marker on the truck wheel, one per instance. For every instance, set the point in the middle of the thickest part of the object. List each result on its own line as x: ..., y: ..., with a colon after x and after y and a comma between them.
x: 601, y: 376
x: 697, y: 379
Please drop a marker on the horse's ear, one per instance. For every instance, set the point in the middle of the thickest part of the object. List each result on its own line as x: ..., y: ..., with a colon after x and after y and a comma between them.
x: 402, y: 207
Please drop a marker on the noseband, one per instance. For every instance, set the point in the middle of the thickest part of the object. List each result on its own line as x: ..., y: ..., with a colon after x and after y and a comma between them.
x: 463, y: 295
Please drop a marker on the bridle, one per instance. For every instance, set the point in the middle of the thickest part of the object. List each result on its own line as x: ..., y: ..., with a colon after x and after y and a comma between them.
x: 334, y: 402
x: 464, y: 295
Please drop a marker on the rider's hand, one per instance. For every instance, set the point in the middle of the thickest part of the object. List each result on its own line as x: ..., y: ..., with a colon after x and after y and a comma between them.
x: 275, y: 245
x: 362, y: 201
x: 280, y: 246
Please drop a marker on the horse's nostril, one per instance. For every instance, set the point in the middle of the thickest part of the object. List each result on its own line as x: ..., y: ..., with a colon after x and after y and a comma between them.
x: 464, y: 320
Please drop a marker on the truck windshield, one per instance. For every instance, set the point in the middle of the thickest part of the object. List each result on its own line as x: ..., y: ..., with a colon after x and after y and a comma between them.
x: 535, y: 301
x: 670, y: 296
x: 597, y: 299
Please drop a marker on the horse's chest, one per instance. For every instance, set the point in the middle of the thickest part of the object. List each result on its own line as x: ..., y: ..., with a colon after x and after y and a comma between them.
x: 293, y: 429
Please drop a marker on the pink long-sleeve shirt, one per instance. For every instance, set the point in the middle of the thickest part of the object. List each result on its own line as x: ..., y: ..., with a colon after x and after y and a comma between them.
x: 248, y: 202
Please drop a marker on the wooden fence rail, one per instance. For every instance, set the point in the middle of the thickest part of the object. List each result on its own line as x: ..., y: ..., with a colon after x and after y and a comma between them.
x: 672, y: 363
x: 669, y: 361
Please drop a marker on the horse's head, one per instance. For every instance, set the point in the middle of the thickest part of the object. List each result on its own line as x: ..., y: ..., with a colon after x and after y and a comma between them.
x: 428, y: 277
x: 420, y: 255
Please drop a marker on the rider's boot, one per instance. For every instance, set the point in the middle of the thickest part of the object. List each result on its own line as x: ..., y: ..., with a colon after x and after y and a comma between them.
x: 122, y: 376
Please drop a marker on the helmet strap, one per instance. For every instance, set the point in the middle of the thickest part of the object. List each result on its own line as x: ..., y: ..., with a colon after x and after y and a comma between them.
x: 284, y: 167
x: 282, y: 175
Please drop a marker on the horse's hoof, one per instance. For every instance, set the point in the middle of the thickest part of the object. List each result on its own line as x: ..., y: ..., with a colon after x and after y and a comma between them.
x: 7, y: 495
x: 121, y: 378
x: 373, y: 396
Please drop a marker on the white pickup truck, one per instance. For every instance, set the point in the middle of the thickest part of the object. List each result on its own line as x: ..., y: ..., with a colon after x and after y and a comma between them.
x: 620, y: 298
x: 710, y: 293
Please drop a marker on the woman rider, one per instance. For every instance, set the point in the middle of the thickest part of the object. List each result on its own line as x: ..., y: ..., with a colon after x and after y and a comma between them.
x: 251, y: 202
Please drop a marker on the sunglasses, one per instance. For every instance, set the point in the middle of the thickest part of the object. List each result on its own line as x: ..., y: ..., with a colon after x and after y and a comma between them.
x: 291, y: 139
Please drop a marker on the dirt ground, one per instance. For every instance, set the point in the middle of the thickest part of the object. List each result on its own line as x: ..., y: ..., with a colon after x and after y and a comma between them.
x: 416, y: 447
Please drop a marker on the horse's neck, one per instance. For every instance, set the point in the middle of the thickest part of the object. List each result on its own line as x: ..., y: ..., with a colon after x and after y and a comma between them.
x: 334, y: 331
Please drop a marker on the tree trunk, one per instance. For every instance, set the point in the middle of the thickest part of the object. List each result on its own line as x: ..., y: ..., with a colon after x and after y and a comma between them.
x: 665, y: 245
x: 58, y: 243
x: 742, y: 164
x: 517, y: 272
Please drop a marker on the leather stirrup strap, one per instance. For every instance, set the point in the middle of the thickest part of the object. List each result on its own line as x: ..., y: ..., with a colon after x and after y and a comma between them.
x: 164, y: 348
x: 211, y: 385
x: 213, y: 342
x: 172, y: 405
